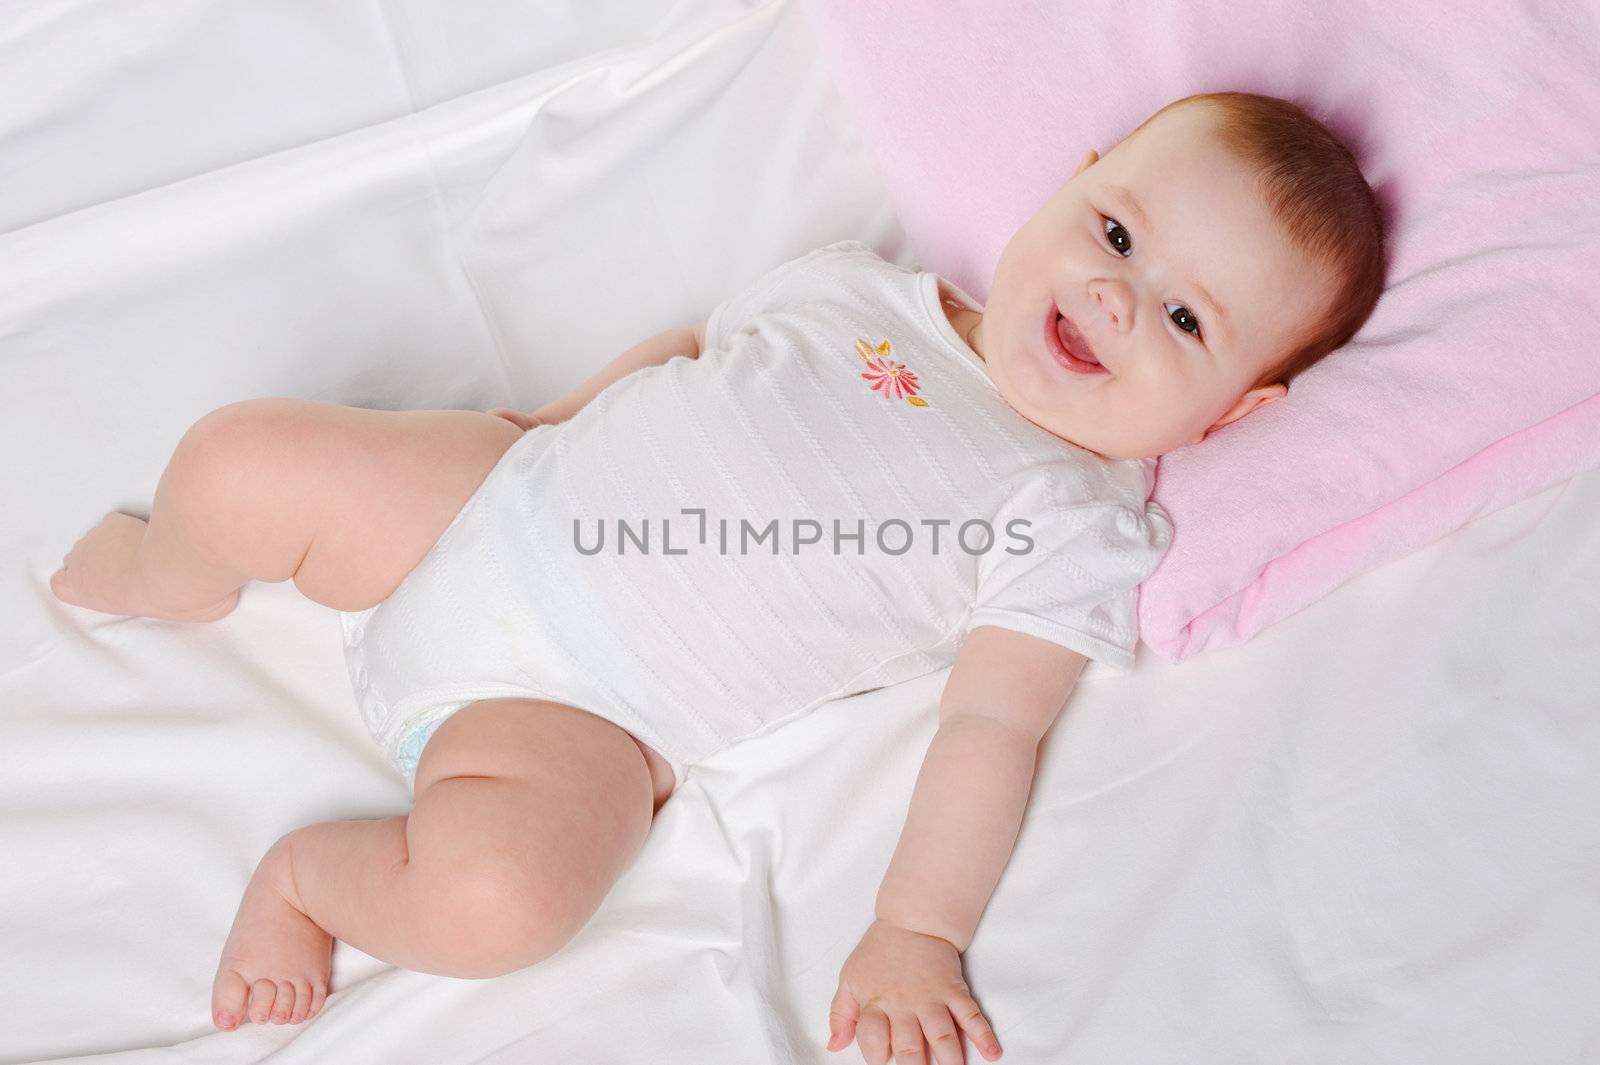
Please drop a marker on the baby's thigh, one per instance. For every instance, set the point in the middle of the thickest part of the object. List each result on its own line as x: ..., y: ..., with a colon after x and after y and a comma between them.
x: 379, y: 487
x: 577, y: 812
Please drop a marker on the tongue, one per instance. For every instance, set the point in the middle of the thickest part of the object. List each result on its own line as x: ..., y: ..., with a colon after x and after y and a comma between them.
x: 1066, y: 342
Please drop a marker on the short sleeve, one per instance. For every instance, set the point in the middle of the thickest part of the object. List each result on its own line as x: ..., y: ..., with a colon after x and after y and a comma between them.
x: 1074, y: 579
x: 766, y: 291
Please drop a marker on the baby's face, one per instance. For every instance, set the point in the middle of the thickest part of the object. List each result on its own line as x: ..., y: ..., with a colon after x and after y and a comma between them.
x: 1167, y: 262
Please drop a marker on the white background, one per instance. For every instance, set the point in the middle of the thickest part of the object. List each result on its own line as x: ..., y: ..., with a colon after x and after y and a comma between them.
x: 1369, y: 835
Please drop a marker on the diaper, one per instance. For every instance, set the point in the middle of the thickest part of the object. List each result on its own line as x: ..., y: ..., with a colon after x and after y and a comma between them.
x: 466, y: 624
x: 414, y: 737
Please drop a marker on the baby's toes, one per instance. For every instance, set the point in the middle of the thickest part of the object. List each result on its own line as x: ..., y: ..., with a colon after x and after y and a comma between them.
x: 262, y: 992
x: 66, y: 575
x: 228, y: 993
x: 302, y: 1001
x: 319, y: 993
x: 283, y: 1005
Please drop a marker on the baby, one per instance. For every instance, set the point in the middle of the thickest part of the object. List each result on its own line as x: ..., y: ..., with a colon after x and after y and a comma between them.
x: 849, y: 475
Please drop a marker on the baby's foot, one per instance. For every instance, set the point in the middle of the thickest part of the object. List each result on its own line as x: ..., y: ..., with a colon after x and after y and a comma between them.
x: 100, y: 573
x: 275, y: 956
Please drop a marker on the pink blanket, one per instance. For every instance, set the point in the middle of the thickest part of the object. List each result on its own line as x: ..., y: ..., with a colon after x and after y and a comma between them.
x: 1477, y: 380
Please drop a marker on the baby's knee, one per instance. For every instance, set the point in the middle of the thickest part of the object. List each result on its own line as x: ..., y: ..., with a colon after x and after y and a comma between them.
x: 492, y: 918
x: 236, y: 486
x: 228, y: 451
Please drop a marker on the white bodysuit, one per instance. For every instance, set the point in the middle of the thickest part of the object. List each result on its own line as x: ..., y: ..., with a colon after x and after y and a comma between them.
x: 716, y: 545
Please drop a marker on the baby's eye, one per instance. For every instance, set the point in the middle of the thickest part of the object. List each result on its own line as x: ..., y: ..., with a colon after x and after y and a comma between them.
x: 1123, y: 244
x: 1183, y: 319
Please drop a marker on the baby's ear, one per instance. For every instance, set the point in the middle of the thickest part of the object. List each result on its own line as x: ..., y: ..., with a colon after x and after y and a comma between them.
x: 1252, y: 400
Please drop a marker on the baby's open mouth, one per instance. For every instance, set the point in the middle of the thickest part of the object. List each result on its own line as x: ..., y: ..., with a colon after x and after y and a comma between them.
x: 1068, y: 346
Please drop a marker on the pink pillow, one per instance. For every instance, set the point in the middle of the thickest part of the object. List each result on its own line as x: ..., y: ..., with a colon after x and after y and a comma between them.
x: 1477, y: 380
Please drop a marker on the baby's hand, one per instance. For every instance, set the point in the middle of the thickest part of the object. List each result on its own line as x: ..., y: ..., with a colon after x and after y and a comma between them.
x: 899, y: 985
x: 520, y: 419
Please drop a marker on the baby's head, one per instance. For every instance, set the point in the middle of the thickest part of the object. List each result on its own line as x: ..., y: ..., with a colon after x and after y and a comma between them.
x: 1212, y: 255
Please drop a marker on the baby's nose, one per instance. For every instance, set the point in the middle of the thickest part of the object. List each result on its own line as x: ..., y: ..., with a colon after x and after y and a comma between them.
x: 1109, y: 310
x: 1116, y: 309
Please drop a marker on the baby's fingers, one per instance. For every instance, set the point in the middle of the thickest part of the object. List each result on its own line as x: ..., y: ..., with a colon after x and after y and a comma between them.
x: 905, y: 1038
x: 964, y: 1008
x: 873, y: 1036
x: 843, y: 1012
x: 516, y: 417
x: 944, y: 1040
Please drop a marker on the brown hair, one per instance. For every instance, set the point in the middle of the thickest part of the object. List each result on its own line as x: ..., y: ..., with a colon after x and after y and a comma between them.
x: 1316, y: 191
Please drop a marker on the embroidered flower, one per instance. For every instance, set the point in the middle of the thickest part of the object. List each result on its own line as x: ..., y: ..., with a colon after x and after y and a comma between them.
x: 893, y: 379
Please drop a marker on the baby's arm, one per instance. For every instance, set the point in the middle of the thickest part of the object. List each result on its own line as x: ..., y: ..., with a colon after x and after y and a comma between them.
x: 966, y: 809
x: 686, y: 340
x: 1002, y: 696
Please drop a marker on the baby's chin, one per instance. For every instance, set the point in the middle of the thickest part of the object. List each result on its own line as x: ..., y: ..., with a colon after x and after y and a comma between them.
x: 1065, y: 429
x: 1065, y: 426
x: 1054, y: 423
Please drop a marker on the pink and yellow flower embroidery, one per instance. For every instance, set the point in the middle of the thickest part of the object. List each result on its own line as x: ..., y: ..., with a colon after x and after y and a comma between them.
x: 893, y: 379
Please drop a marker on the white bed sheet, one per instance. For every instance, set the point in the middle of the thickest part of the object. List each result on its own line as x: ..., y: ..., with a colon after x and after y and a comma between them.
x: 1367, y: 836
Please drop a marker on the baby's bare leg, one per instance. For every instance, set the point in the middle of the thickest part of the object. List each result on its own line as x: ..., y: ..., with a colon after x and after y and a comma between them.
x: 527, y: 812
x: 344, y: 500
